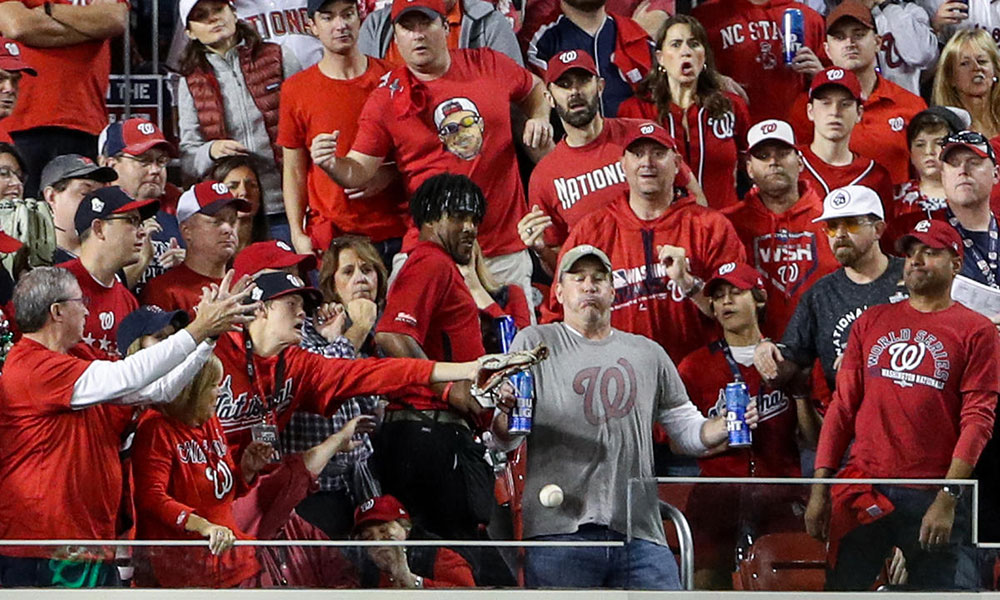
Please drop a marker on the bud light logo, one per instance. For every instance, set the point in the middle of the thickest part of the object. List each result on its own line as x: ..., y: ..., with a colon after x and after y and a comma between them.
x: 146, y: 128
x: 727, y: 268
x: 567, y: 57
x: 922, y: 227
x: 835, y: 74
x: 220, y: 188
x: 647, y: 129
x: 840, y: 200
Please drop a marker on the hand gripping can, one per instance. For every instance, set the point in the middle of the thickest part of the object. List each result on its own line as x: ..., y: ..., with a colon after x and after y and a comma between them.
x: 737, y: 399
x: 793, y: 32
x: 524, y: 384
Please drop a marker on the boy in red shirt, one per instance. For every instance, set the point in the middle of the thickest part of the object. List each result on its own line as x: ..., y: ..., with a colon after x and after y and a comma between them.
x: 318, y: 209
x: 916, y: 391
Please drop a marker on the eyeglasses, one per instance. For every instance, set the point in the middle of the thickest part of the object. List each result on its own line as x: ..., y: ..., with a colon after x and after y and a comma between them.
x: 146, y: 161
x: 463, y: 123
x: 9, y: 173
x: 82, y: 300
x: 133, y: 220
x: 852, y: 225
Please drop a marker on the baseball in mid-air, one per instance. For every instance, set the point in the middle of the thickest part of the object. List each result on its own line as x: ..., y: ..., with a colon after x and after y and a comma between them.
x: 550, y: 495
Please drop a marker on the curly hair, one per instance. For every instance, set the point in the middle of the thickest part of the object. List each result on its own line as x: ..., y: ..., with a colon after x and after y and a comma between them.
x: 446, y: 194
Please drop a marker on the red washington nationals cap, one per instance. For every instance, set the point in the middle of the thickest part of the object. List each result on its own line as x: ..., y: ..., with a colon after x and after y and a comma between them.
x: 207, y: 198
x: 107, y: 201
x: 845, y: 78
x: 566, y: 60
x: 850, y: 9
x: 273, y: 254
x: 933, y: 234
x: 649, y: 131
x: 739, y: 275
x: 10, y: 57
x: 432, y: 8
x: 379, y: 510
x: 132, y: 136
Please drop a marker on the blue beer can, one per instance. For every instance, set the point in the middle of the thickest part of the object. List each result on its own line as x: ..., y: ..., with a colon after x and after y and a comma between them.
x: 793, y: 32
x: 506, y: 330
x: 737, y: 399
x: 524, y: 392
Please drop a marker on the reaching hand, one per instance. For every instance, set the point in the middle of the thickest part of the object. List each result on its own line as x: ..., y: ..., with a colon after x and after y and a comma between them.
x: 256, y: 456
x: 531, y: 227
x: 220, y: 310
x: 766, y: 357
x: 220, y: 538
x: 331, y: 320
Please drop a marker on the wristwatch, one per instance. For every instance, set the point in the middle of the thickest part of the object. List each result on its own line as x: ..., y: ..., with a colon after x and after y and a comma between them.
x: 696, y: 287
x: 418, y: 581
x: 955, y: 491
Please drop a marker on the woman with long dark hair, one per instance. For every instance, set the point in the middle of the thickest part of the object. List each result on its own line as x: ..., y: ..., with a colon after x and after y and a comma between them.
x: 685, y: 93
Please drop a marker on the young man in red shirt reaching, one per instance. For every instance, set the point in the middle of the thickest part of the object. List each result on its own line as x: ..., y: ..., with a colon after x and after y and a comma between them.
x: 916, y: 391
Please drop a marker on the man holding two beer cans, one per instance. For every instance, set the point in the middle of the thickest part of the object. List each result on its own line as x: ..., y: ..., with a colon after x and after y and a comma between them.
x: 596, y: 399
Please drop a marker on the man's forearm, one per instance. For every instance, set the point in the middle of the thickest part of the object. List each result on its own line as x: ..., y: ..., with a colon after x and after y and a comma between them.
x: 35, y: 28
x: 348, y: 173
x: 535, y: 106
x: 294, y: 186
x: 96, y: 21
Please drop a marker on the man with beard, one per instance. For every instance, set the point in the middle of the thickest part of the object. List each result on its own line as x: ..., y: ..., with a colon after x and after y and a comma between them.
x: 318, y: 209
x: 776, y: 223
x: 207, y: 214
x: 922, y: 374
x: 430, y: 313
x: 619, y: 47
x: 854, y: 221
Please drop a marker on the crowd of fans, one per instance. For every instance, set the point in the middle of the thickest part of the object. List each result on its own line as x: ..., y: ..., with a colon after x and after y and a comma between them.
x: 272, y: 326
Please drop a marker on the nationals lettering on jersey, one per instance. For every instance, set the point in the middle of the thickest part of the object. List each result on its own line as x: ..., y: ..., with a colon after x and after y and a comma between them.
x: 639, y: 285
x: 786, y: 258
x: 238, y: 413
x: 279, y: 22
x: 907, y: 354
x: 769, y: 405
x: 571, y: 189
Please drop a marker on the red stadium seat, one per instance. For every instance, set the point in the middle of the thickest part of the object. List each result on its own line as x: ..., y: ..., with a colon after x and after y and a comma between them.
x: 783, y: 562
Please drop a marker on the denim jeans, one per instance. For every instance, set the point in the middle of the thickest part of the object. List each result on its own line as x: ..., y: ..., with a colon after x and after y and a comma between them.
x: 639, y: 565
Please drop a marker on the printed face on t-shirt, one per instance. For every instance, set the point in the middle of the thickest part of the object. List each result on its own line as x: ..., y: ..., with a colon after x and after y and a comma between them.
x: 336, y: 24
x: 851, y: 45
x: 461, y: 132
x: 682, y: 54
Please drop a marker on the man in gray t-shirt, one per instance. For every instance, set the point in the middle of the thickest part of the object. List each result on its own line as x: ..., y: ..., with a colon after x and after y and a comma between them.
x: 596, y: 400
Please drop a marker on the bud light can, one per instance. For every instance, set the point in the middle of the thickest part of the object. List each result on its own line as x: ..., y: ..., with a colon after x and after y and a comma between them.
x: 524, y: 384
x: 737, y: 399
x: 506, y: 330
x: 793, y: 32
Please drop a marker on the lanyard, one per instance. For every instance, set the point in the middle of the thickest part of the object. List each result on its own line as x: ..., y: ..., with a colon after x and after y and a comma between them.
x: 279, y: 377
x: 987, y: 265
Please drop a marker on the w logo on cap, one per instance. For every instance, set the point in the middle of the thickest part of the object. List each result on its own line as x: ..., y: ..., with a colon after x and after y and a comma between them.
x: 292, y: 279
x: 923, y: 226
x: 835, y: 74
x: 568, y: 57
x: 220, y: 188
x: 768, y: 127
x: 368, y: 505
x: 727, y: 268
x: 12, y: 49
x: 146, y: 128
x: 96, y: 205
x: 647, y: 129
x: 840, y: 200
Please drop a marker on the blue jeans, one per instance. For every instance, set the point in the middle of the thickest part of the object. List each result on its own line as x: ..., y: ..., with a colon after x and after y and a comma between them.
x: 639, y: 565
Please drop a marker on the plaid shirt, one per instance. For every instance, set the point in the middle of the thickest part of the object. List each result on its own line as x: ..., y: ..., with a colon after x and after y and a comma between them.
x: 306, y: 430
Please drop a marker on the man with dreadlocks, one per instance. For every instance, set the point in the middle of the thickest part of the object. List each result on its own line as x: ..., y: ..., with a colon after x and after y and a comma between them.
x: 430, y: 313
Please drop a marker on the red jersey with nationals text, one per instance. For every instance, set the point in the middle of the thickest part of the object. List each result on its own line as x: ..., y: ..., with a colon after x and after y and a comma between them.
x: 571, y: 183
x: 880, y: 133
x: 712, y: 147
x: 914, y: 390
x: 398, y: 122
x: 747, y: 42
x: 107, y: 306
x: 71, y: 85
x: 775, y: 451
x: 302, y: 118
x: 182, y: 470
x: 311, y: 383
x: 60, y: 475
x: 790, y: 251
x: 647, y: 302
x: 824, y: 177
x: 430, y: 302
x: 177, y: 289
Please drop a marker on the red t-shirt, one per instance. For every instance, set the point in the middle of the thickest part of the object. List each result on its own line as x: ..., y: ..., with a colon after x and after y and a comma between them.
x: 881, y: 133
x: 312, y: 383
x: 747, y: 42
x: 790, y: 251
x: 70, y: 87
x: 824, y: 177
x: 430, y: 302
x: 182, y: 470
x: 177, y: 289
x: 712, y: 147
x: 107, y: 306
x: 914, y: 391
x: 60, y: 476
x: 400, y: 121
x: 302, y: 118
x: 775, y: 452
x: 646, y: 301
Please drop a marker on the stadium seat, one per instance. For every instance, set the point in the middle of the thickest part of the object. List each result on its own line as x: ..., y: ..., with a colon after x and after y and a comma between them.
x: 783, y: 562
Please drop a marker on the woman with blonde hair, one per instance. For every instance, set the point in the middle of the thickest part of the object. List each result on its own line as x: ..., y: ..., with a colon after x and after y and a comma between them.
x: 967, y: 78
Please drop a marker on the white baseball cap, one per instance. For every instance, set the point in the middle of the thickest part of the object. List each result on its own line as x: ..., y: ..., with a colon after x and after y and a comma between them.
x: 184, y: 7
x: 851, y: 201
x: 771, y: 129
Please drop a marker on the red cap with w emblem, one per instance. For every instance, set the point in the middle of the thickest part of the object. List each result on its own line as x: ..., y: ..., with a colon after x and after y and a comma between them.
x: 934, y: 234
x: 845, y: 78
x: 566, y: 60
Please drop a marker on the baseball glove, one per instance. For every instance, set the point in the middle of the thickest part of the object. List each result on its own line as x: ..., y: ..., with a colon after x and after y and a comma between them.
x: 494, y: 368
